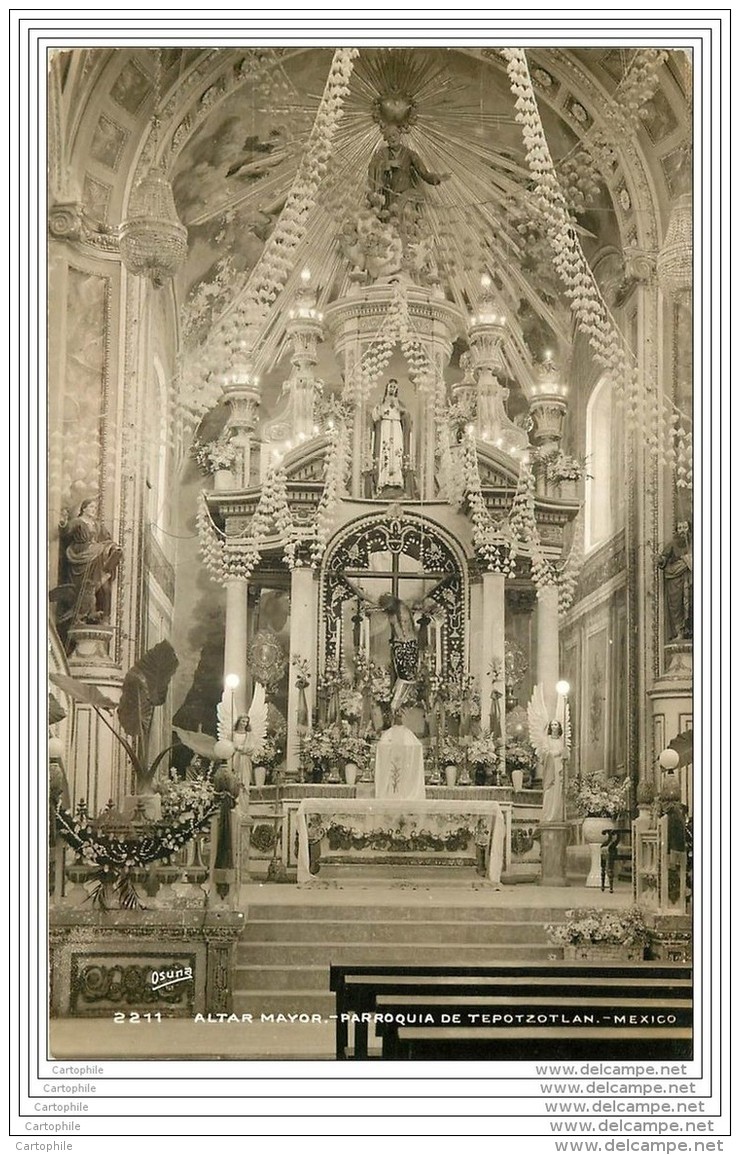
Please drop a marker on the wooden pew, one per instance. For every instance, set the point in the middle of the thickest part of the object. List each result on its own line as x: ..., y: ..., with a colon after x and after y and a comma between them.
x: 358, y: 988
x: 559, y: 1044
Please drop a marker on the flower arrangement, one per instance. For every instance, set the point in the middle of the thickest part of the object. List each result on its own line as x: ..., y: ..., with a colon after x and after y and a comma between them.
x: 357, y: 750
x: 562, y: 467
x: 483, y: 750
x: 520, y: 756
x: 592, y: 925
x: 462, y: 696
x: 302, y: 672
x: 350, y: 704
x: 592, y: 795
x: 451, y: 753
x: 182, y: 797
x: 213, y: 455
x: 318, y: 746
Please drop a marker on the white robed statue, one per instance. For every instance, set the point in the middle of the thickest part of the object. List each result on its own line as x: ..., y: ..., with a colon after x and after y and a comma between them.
x: 399, y: 765
x: 551, y: 740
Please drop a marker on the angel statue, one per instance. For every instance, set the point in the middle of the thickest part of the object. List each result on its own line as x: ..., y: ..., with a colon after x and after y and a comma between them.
x: 551, y: 739
x: 247, y: 733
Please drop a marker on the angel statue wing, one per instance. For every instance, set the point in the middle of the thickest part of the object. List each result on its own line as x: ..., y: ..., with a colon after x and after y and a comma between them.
x: 196, y: 741
x: 562, y: 715
x: 538, y: 721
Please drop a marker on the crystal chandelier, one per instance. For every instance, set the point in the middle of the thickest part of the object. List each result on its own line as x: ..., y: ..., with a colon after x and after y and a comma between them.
x: 153, y: 239
x: 674, y: 265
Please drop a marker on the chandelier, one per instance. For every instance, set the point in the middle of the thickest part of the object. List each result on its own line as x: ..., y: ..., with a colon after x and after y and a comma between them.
x: 153, y: 239
x: 674, y: 264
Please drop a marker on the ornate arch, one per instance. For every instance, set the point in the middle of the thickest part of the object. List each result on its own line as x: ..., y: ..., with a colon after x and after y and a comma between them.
x: 398, y: 533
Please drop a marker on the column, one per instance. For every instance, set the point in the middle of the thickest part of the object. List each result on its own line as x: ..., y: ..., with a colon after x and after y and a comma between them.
x: 303, y: 609
x: 553, y: 835
x: 235, y: 640
x: 493, y: 629
x: 548, y: 643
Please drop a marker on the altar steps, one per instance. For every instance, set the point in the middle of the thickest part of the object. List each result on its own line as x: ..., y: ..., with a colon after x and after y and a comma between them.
x: 285, y: 951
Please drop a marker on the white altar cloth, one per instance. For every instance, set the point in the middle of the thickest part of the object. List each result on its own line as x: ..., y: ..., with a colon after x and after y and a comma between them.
x: 424, y: 819
x: 399, y: 765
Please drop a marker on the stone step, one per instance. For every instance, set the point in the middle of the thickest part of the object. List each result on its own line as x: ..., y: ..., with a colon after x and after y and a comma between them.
x: 289, y: 978
x: 394, y: 930
x: 424, y: 911
x: 284, y: 1001
x: 388, y: 954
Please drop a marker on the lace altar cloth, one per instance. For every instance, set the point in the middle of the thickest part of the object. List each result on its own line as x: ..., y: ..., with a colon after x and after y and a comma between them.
x: 392, y: 829
x: 399, y: 765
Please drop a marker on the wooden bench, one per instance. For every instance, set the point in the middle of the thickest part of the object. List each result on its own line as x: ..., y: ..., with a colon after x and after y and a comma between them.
x: 554, y: 1043
x: 358, y: 989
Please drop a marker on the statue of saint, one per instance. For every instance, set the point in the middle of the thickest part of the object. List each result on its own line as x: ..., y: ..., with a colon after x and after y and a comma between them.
x: 91, y: 559
x: 391, y: 439
x: 395, y: 176
x: 677, y: 565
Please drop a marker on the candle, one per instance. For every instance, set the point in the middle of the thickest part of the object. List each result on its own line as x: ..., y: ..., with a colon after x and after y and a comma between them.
x: 438, y: 647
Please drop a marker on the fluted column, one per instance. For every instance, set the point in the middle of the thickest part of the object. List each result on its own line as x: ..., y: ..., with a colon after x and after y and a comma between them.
x: 303, y: 611
x: 235, y: 641
x: 493, y: 631
x: 548, y: 644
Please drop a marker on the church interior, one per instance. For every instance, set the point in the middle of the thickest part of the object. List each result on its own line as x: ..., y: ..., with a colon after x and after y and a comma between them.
x: 369, y: 533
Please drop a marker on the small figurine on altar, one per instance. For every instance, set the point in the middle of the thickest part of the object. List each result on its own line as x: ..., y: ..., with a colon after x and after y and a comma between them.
x: 399, y: 763
x: 551, y: 740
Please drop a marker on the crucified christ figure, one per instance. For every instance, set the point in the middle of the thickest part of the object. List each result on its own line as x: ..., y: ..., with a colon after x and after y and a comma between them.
x: 404, y: 635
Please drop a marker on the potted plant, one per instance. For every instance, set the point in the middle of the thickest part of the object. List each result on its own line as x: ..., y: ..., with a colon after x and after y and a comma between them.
x: 599, y: 801
x: 483, y: 756
x: 450, y: 755
x: 520, y: 760
x: 216, y: 457
x: 317, y: 751
x: 591, y: 933
x: 144, y: 687
x: 357, y: 753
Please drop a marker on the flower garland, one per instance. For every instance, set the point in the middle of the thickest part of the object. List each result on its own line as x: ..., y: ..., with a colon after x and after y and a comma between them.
x: 573, y: 563
x: 226, y: 344
x: 228, y: 558
x: 666, y: 439
x: 492, y: 542
x: 157, y: 842
x: 337, y: 467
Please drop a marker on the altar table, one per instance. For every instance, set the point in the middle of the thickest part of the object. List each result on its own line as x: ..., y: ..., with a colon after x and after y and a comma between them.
x: 405, y: 827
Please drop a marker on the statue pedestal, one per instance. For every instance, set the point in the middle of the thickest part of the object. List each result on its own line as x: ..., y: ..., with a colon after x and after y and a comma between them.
x: 553, y: 843
x: 90, y: 649
x: 679, y: 662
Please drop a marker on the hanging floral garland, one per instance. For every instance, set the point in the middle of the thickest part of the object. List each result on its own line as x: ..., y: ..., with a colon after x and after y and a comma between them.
x: 224, y: 558
x: 237, y: 331
x: 667, y: 439
x: 338, y: 459
x: 493, y: 542
x: 523, y: 523
x: 568, y: 578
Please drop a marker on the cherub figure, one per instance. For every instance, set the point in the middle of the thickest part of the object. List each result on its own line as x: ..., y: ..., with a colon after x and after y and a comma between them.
x: 551, y: 738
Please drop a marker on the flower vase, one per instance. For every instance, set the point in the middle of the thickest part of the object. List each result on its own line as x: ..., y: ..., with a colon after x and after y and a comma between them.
x: 480, y: 775
x: 593, y: 835
x: 350, y: 773
x: 317, y: 772
x: 451, y: 774
x: 260, y: 776
x: 517, y: 779
x: 223, y: 479
x: 568, y: 488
